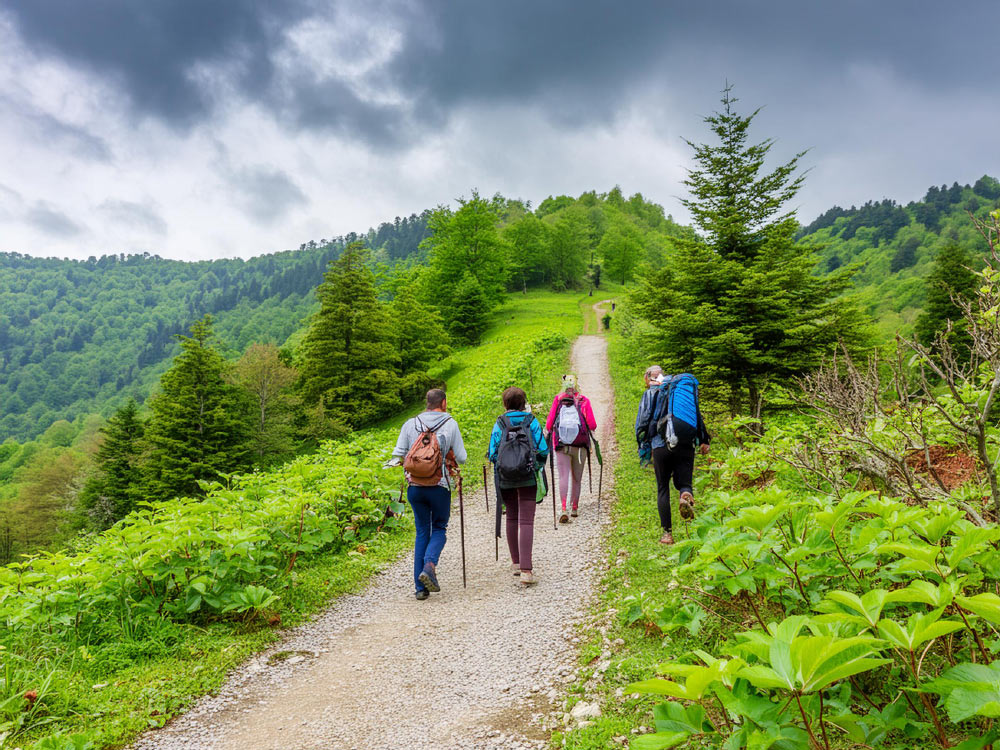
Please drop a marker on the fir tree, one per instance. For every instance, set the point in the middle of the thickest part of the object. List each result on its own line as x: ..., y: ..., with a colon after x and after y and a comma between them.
x: 951, y: 281
x: 347, y: 360
x: 742, y: 308
x: 420, y: 336
x: 116, y: 486
x: 199, y: 423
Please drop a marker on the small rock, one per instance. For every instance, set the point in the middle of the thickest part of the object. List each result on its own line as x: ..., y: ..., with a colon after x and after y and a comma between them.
x: 584, y: 710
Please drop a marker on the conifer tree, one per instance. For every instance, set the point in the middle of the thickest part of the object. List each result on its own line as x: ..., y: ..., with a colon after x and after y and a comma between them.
x: 117, y: 485
x: 420, y: 335
x: 951, y: 281
x: 199, y: 422
x: 740, y: 306
x: 347, y: 359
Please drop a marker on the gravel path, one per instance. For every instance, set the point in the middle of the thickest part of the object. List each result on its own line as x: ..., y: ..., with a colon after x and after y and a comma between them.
x: 481, y: 667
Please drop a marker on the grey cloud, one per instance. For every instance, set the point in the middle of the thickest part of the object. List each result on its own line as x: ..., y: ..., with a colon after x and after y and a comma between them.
x: 150, y: 49
x: 52, y: 221
x: 134, y: 215
x: 265, y: 193
x: 48, y: 129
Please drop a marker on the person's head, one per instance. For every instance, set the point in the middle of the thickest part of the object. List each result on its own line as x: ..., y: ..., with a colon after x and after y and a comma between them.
x: 437, y: 400
x: 514, y: 399
x: 652, y: 373
x: 569, y: 383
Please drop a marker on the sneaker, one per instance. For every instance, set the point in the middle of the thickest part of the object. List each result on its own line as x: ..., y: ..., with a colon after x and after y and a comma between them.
x: 574, y: 513
x: 429, y: 578
x: 422, y: 594
x: 564, y: 518
x: 528, y: 578
x: 667, y: 538
x: 686, y: 505
x: 515, y: 569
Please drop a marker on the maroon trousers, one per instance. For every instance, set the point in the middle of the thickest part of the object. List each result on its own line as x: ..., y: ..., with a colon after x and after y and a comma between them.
x: 520, y: 505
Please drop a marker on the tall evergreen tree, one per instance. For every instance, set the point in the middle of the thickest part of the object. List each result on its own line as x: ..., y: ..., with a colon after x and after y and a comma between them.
x: 347, y: 359
x: 740, y: 306
x: 420, y: 335
x: 116, y: 486
x: 199, y: 422
x: 951, y: 281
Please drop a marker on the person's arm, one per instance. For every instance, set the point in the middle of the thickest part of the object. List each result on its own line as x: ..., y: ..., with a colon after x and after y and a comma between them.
x: 403, y: 442
x: 588, y: 412
x: 552, y: 414
x: 458, y: 447
x: 494, y: 442
x: 704, y: 439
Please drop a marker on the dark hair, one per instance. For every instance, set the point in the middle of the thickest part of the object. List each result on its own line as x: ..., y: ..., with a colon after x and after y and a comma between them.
x: 514, y: 399
x: 435, y: 397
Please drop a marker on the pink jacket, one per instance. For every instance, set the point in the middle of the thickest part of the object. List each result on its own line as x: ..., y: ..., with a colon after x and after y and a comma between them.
x: 585, y: 410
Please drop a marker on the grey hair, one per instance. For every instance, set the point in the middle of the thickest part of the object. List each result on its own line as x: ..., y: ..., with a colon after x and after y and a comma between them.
x: 653, y: 371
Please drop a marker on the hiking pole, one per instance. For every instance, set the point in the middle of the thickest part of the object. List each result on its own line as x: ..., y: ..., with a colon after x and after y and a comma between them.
x: 461, y: 519
x: 600, y: 479
x: 590, y: 476
x: 552, y: 464
x: 486, y: 489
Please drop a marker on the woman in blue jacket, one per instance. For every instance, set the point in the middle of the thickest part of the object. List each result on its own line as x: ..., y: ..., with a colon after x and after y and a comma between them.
x: 520, y: 500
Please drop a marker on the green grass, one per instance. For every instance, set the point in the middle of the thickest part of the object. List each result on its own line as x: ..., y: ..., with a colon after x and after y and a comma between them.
x: 113, y: 691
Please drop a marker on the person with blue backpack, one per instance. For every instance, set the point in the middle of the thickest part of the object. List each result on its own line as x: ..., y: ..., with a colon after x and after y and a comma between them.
x: 518, y: 451
x: 669, y: 428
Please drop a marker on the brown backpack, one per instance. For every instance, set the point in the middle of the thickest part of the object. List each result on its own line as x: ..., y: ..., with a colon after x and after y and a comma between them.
x: 423, y: 461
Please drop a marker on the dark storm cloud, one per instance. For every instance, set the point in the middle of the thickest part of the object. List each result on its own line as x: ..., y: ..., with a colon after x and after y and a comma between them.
x: 51, y: 221
x: 577, y: 61
x: 134, y: 215
x: 266, y: 193
x: 150, y: 48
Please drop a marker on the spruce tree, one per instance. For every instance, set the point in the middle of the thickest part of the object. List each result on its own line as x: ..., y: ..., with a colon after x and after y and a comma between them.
x: 420, y: 335
x: 199, y: 423
x: 347, y: 359
x: 740, y: 306
x: 116, y: 486
x: 951, y: 281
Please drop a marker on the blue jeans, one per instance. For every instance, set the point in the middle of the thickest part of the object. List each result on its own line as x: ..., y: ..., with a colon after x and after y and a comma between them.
x: 431, y: 509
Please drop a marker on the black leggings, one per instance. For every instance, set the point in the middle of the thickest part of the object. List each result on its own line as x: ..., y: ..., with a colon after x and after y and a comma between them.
x: 678, y: 462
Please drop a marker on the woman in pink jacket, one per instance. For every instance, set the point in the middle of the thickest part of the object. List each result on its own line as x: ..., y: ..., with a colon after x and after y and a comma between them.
x: 570, y: 422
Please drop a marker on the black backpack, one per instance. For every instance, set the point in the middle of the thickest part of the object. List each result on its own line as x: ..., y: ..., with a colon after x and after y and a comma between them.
x: 515, y: 462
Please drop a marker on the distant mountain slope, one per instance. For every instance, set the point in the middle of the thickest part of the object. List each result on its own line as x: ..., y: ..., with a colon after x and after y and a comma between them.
x: 895, y: 245
x: 82, y: 336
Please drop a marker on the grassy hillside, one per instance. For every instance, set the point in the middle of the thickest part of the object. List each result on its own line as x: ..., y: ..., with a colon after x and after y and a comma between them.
x: 895, y: 245
x: 125, y: 632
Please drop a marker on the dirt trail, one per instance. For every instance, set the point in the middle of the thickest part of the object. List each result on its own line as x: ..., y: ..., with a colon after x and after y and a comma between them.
x: 481, y: 667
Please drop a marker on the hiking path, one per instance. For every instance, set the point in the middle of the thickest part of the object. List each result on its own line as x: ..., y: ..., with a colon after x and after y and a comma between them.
x: 481, y: 667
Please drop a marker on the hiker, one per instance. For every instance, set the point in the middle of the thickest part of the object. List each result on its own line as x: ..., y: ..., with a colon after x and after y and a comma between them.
x: 667, y: 429
x: 518, y: 451
x: 429, y: 447
x: 570, y: 422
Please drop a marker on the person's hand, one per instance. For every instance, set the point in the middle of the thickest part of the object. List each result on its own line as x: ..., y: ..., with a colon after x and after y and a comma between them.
x: 705, y: 449
x: 394, y: 461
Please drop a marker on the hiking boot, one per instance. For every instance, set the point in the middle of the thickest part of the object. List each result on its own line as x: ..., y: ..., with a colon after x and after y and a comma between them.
x: 515, y: 569
x: 564, y: 518
x: 574, y: 513
x: 429, y: 578
x: 667, y: 538
x: 528, y: 578
x: 686, y: 505
x: 422, y: 594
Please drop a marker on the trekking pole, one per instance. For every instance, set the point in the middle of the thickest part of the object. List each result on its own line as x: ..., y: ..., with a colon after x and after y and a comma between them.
x: 461, y: 519
x: 486, y: 489
x: 552, y: 464
x: 600, y: 480
x: 590, y: 476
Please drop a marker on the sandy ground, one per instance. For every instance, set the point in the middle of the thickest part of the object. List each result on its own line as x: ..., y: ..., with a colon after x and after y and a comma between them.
x: 476, y: 667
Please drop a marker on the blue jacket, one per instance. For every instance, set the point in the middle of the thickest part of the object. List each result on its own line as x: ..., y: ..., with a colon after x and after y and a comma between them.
x: 516, y: 417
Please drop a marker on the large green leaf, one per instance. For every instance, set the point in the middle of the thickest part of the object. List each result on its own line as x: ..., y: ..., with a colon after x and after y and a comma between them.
x: 658, y: 740
x: 986, y: 606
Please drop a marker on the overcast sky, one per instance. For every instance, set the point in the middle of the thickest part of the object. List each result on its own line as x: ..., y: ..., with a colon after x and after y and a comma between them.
x: 215, y: 128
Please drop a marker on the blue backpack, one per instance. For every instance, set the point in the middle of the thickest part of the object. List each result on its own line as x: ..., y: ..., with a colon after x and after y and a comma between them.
x: 676, y: 411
